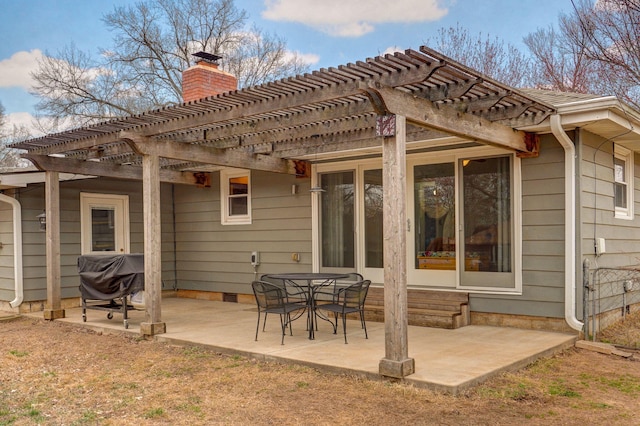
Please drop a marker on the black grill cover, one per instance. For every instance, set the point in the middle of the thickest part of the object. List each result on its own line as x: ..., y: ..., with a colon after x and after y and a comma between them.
x: 105, y: 277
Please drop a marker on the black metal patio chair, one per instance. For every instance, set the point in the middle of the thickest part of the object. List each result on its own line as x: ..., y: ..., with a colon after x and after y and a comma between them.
x: 295, y: 293
x: 327, y: 292
x: 272, y: 299
x: 346, y: 301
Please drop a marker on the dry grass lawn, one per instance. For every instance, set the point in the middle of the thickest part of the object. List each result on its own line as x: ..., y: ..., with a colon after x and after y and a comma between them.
x: 59, y: 374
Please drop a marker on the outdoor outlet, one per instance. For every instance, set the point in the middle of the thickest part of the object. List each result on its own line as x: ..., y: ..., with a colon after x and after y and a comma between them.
x: 294, y: 189
x: 255, y: 258
x: 295, y: 257
x: 600, y: 246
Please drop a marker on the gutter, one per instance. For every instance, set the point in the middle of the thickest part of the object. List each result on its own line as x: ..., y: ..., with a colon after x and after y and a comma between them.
x: 569, y: 220
x: 17, y: 249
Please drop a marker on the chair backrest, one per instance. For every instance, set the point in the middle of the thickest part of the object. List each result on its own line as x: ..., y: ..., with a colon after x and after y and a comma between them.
x: 268, y: 296
x: 292, y: 291
x: 353, y: 277
x: 267, y: 279
x: 355, y: 295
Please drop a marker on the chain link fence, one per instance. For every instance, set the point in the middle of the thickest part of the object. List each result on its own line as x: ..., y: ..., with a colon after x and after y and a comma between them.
x: 609, y: 295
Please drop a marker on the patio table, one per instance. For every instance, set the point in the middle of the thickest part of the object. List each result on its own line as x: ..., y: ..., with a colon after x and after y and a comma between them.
x: 312, y: 281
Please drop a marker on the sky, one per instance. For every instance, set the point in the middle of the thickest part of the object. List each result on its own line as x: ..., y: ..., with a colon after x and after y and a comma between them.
x: 325, y: 32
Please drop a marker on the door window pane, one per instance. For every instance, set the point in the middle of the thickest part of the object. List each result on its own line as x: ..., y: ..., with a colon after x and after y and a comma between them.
x: 338, y: 220
x: 103, y: 236
x: 434, y: 230
x: 373, y: 238
x: 487, y: 214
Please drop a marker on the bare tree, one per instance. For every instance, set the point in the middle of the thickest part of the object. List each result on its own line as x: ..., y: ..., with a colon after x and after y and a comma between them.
x: 152, y: 45
x: 490, y: 56
x: 561, y: 66
x: 257, y: 58
x: 595, y: 50
x: 10, y: 158
x: 2, y: 120
x: 608, y: 32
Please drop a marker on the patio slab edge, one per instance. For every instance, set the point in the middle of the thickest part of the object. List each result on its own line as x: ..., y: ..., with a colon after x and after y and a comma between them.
x: 456, y: 389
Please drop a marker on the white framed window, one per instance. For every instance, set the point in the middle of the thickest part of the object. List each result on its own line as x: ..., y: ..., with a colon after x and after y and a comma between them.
x: 623, y: 182
x: 235, y: 197
x: 104, y: 223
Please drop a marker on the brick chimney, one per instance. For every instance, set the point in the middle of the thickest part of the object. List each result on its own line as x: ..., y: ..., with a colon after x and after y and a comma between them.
x: 205, y: 79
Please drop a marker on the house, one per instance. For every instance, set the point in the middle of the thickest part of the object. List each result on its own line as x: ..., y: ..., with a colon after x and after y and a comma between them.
x: 412, y: 169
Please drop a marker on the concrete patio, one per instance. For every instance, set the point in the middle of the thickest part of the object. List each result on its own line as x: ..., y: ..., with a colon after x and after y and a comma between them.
x: 445, y: 360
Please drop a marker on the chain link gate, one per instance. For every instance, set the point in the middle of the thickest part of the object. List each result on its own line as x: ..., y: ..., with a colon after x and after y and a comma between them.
x: 609, y: 295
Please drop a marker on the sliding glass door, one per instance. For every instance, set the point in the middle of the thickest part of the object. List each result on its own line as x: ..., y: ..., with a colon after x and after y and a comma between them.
x: 460, y: 221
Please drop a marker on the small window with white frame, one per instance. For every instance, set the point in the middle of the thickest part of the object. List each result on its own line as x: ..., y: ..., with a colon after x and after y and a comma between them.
x: 623, y: 182
x: 235, y: 196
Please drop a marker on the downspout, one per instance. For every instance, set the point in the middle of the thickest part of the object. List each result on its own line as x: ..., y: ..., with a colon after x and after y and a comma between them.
x: 569, y: 220
x: 17, y: 249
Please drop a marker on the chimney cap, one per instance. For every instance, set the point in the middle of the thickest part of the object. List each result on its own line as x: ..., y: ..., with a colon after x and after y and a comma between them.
x: 207, y: 57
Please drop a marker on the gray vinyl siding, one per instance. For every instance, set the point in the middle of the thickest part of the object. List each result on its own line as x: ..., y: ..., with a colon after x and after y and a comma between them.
x: 543, y: 226
x: 622, y: 237
x: 34, y: 257
x: 216, y: 257
x: 7, y: 286
x: 542, y: 240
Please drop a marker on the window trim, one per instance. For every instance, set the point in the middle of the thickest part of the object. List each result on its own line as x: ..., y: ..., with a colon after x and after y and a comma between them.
x: 625, y: 155
x: 225, y: 217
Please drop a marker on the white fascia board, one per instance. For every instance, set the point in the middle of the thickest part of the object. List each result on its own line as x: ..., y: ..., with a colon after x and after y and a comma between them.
x: 21, y: 180
x: 590, y: 113
x: 607, y: 108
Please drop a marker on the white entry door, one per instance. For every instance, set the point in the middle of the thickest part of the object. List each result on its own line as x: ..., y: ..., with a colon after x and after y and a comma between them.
x: 104, y: 221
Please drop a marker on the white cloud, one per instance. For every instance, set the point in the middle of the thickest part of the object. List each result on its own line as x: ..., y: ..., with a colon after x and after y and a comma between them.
x: 392, y: 49
x: 16, y: 71
x: 307, y: 58
x: 22, y: 120
x: 353, y: 18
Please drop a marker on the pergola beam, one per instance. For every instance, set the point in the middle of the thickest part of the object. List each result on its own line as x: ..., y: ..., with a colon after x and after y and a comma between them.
x: 94, y: 168
x: 204, y: 154
x: 422, y: 112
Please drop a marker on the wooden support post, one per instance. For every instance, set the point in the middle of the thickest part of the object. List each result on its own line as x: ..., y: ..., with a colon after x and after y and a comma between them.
x: 53, y: 310
x: 152, y: 245
x: 396, y: 362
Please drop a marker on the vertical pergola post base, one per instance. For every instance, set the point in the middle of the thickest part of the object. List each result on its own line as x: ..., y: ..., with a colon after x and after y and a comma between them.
x: 152, y: 328
x: 397, y: 369
x: 53, y: 314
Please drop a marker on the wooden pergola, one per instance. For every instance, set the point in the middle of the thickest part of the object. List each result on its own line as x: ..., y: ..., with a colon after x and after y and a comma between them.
x: 382, y: 103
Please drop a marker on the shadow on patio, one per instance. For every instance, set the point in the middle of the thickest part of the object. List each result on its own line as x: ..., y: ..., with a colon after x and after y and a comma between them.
x: 445, y: 360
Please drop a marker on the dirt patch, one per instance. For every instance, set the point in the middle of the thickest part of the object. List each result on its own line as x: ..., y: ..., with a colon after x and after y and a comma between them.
x: 54, y: 374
